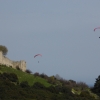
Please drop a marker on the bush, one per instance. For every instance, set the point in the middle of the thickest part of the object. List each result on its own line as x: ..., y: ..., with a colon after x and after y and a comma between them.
x: 82, y: 85
x: 86, y: 94
x: 24, y: 84
x: 43, y: 76
x: 38, y: 85
x: 36, y: 74
x: 10, y: 77
x: 28, y: 71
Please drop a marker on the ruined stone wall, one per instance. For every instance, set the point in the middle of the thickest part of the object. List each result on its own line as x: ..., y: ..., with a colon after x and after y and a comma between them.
x: 20, y: 64
x: 0, y: 57
x: 6, y: 61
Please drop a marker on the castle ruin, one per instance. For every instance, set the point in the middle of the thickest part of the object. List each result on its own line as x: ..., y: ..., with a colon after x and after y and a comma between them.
x: 14, y: 64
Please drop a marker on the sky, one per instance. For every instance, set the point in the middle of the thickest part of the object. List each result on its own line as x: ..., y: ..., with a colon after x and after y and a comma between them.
x: 60, y: 30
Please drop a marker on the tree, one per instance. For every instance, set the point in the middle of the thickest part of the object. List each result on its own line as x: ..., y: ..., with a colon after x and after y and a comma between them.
x: 58, y: 77
x: 96, y: 88
x: 3, y: 49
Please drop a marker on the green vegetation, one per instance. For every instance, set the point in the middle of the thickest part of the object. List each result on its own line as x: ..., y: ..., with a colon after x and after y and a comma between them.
x: 3, y: 49
x: 96, y: 88
x: 18, y: 85
x: 22, y: 76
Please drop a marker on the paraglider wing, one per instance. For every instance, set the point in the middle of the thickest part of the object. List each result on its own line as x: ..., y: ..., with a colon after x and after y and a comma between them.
x: 97, y: 28
x: 37, y: 55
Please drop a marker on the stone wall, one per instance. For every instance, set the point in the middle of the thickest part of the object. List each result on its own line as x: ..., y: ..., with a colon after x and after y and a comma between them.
x: 6, y: 61
x: 20, y: 64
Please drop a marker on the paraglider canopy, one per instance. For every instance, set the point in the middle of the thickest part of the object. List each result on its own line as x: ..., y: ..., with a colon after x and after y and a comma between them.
x: 37, y: 55
x: 96, y: 28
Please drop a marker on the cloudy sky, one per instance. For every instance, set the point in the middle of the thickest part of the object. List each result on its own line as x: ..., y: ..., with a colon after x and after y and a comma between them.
x: 60, y: 30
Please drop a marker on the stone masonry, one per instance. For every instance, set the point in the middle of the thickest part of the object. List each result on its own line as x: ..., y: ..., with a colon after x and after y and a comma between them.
x: 14, y: 64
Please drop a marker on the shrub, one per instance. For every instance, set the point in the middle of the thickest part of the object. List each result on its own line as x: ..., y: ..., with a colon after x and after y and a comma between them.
x: 43, y: 76
x: 10, y: 77
x: 82, y: 85
x: 28, y: 71
x: 86, y: 94
x: 38, y: 85
x: 36, y: 74
x: 24, y: 84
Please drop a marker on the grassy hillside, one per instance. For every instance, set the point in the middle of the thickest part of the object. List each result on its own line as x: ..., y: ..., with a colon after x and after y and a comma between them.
x: 60, y: 89
x: 23, y: 76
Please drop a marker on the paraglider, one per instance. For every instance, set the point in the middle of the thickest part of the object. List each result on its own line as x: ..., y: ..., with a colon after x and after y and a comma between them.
x: 97, y: 28
x: 37, y: 55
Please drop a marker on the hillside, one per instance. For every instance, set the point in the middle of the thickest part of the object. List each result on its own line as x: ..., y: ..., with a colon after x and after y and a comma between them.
x: 41, y: 87
x: 22, y: 76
